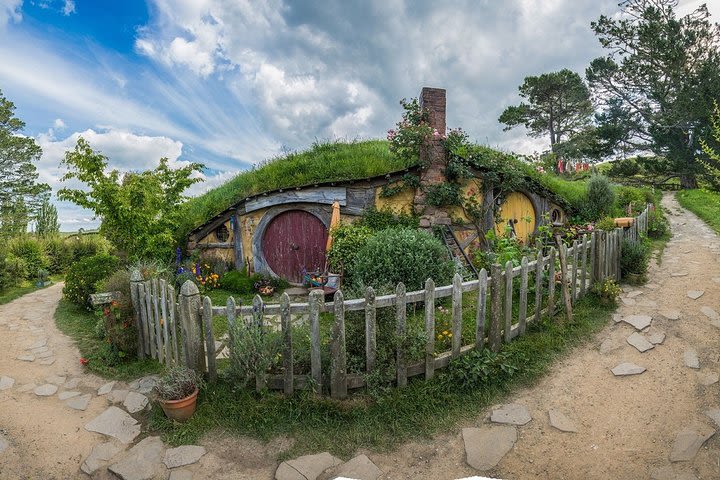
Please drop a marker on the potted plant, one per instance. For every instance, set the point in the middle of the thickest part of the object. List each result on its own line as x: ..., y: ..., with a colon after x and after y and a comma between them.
x: 42, y: 278
x: 177, y: 392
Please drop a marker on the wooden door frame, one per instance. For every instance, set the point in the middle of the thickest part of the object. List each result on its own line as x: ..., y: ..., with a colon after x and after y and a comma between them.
x: 260, y: 264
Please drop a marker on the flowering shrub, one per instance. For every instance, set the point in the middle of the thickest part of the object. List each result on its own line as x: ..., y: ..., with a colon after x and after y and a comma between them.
x: 118, y: 331
x: 206, y: 279
x: 607, y: 290
x: 412, y: 131
x: 83, y: 276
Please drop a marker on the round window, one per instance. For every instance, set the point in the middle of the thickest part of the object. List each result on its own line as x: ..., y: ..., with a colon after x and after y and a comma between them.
x: 556, y: 215
x: 222, y: 233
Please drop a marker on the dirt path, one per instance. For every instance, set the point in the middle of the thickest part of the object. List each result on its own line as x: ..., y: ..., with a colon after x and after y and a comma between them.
x: 626, y: 425
x: 45, y: 438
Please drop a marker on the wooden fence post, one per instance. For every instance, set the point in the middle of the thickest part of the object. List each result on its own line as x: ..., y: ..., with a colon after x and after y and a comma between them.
x: 522, y: 308
x: 135, y: 280
x: 338, y: 374
x: 583, y: 268
x: 209, y: 339
x: 508, y: 299
x: 621, y: 236
x: 563, y: 272
x: 191, y: 327
x: 495, y: 308
x: 172, y: 303
x: 258, y: 322
x: 230, y: 314
x: 150, y: 320
x: 287, y: 353
x: 316, y: 296
x: 551, y: 282
x: 401, y: 333
x: 539, y: 270
x: 481, y: 310
x: 456, y: 315
x: 573, y: 277
x: 370, y: 330
x: 165, y: 323
x: 429, y: 328
x: 593, y: 260
x: 158, y: 329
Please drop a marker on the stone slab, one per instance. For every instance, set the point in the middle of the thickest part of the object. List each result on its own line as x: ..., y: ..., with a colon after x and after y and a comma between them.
x: 4, y: 443
x: 710, y: 313
x: 634, y: 294
x: 690, y: 358
x: 180, y: 474
x: 358, y: 468
x: 46, y: 390
x: 639, y: 322
x: 26, y: 358
x: 707, y: 378
x: 115, y: 423
x: 511, y: 414
x: 27, y: 387
x: 628, y: 301
x: 714, y: 414
x: 695, y: 294
x: 56, y: 380
x: 47, y: 361
x: 670, y: 314
x: 485, y: 447
x: 688, y: 442
x: 561, y: 421
x: 607, y: 346
x: 679, y: 274
x: 648, y: 303
x: 46, y: 354
x: 143, y: 461
x: 669, y: 473
x: 135, y: 402
x: 99, y: 456
x: 67, y: 394
x: 655, y: 336
x: 105, y: 389
x: 617, y: 318
x: 307, y: 467
x: 183, y: 455
x: 79, y: 403
x: 6, y: 383
x: 638, y: 341
x: 37, y: 344
x: 72, y: 384
x: 144, y: 384
x: 117, y: 396
x: 627, y: 368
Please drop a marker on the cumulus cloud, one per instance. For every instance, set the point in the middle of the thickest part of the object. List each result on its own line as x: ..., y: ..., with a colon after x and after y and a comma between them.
x: 69, y: 7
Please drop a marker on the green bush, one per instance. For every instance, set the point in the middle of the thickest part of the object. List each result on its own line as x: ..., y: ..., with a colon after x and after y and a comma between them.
x: 385, y: 218
x: 658, y: 225
x: 238, y: 281
x: 31, y: 251
x: 5, y: 278
x: 600, y: 197
x: 606, y: 223
x: 635, y: 257
x: 88, y: 246
x: 83, y: 276
x: 479, y: 369
x: 631, y: 197
x: 348, y: 240
x: 59, y: 253
x: 16, y: 268
x: 402, y: 255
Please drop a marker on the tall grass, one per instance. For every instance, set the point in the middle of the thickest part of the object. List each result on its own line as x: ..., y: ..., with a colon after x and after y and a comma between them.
x: 703, y: 203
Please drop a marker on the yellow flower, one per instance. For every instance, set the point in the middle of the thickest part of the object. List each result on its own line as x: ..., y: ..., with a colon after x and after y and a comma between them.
x: 440, y: 337
x: 450, y: 335
x: 445, y: 332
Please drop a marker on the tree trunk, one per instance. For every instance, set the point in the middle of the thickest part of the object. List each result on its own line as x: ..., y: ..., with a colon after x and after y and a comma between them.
x: 688, y: 180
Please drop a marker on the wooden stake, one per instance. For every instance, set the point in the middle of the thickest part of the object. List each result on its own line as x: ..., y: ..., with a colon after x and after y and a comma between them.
x: 563, y: 272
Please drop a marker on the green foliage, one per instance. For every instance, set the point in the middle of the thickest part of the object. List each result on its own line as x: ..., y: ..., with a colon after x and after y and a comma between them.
x: 606, y: 291
x: 380, y: 219
x: 600, y: 197
x: 83, y: 276
x: 412, y: 132
x: 500, y: 249
x: 254, y: 350
x: 635, y: 257
x: 6, y: 278
x: 59, y: 253
x: 46, y: 220
x: 606, y: 223
x: 480, y: 368
x: 348, y: 241
x: 30, y: 251
x: 443, y: 194
x: 558, y: 104
x: 324, y: 162
x: 658, y: 81
x: 238, y: 281
x: 712, y: 161
x: 658, y: 225
x: 138, y: 210
x: 115, y: 327
x: 402, y: 255
x: 20, y: 194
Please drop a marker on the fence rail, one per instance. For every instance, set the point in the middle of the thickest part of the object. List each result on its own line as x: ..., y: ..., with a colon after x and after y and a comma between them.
x: 179, y: 330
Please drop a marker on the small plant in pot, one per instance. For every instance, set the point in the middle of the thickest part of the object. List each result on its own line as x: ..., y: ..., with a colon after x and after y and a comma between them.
x: 177, y: 392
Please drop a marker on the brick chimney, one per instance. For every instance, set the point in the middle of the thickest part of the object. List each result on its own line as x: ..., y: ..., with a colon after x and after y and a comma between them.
x: 432, y: 154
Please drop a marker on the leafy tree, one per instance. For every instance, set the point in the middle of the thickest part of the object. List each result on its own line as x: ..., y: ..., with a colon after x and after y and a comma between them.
x: 558, y: 104
x: 656, y: 84
x: 20, y: 194
x: 46, y: 220
x: 712, y: 163
x: 138, y: 209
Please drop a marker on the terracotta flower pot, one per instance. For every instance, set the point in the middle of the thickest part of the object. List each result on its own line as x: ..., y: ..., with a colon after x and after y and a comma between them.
x: 182, y: 409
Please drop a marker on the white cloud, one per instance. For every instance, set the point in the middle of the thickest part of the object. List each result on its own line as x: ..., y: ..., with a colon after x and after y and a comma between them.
x: 69, y: 7
x: 10, y: 11
x: 59, y: 123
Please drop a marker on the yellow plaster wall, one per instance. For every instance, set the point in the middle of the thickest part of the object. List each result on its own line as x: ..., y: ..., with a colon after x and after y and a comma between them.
x: 517, y: 206
x: 211, y: 238
x: 402, y: 202
x: 248, y: 225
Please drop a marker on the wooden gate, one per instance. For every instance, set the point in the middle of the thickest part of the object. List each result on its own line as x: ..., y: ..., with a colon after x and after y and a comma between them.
x: 294, y: 242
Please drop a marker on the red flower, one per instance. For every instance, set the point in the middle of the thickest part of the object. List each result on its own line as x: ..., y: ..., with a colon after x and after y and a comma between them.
x: 83, y: 361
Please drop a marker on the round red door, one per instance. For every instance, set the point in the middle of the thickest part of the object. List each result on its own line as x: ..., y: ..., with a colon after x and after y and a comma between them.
x: 294, y: 242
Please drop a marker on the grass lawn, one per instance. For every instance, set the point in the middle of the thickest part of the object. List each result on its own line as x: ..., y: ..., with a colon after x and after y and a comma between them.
x: 704, y: 204
x: 78, y: 323
x: 419, y: 410
x: 11, y: 293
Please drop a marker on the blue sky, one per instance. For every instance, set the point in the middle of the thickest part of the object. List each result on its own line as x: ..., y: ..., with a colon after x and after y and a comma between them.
x: 230, y: 83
